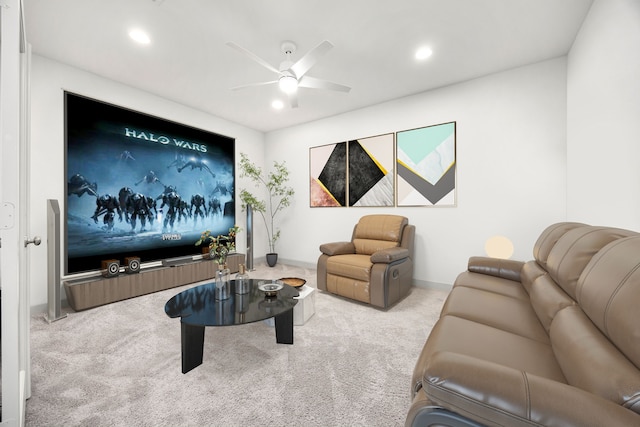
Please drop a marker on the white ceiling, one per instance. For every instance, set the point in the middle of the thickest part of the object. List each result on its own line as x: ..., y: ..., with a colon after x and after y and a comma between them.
x: 188, y: 61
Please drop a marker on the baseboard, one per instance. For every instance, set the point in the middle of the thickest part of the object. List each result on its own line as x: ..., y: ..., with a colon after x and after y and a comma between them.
x: 432, y: 285
x: 294, y: 263
x: 291, y: 262
x: 44, y: 308
x: 23, y: 397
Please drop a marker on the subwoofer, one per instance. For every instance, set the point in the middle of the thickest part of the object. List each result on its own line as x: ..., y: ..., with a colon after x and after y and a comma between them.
x: 132, y: 265
x: 110, y: 267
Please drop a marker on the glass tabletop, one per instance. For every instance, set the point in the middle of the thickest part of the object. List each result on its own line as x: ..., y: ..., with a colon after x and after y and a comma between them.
x: 197, y: 305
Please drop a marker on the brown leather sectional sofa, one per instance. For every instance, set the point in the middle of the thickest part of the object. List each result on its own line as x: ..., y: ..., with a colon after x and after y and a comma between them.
x: 551, y: 342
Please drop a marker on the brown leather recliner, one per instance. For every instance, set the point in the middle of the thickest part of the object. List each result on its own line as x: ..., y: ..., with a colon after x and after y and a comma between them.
x: 375, y: 267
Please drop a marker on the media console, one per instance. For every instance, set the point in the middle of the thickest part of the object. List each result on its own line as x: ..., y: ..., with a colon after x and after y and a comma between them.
x: 93, y: 292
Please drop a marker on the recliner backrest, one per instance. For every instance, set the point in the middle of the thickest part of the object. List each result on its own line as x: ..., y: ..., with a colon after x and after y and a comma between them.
x: 548, y: 239
x: 608, y: 292
x: 377, y: 232
x: 596, y: 341
x: 573, y: 251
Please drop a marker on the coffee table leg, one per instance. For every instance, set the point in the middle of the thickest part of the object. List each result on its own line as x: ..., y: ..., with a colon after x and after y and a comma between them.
x: 192, y: 338
x: 284, y: 327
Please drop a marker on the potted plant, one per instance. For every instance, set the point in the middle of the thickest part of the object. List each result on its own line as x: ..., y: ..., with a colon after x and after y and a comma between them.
x: 279, y: 197
x: 219, y: 247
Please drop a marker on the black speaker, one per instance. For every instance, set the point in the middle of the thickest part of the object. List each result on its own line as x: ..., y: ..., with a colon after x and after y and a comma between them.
x: 110, y: 267
x: 132, y: 265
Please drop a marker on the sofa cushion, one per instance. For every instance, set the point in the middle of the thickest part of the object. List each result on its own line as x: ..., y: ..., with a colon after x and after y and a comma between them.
x: 531, y: 270
x: 463, y: 336
x: 498, y: 311
x: 547, y: 299
x: 573, y: 251
x: 377, y: 232
x: 370, y: 246
x: 591, y: 362
x: 351, y: 265
x: 381, y: 227
x: 548, y: 239
x: 609, y: 293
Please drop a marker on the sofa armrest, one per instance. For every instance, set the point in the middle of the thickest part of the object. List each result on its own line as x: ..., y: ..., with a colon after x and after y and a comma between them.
x: 337, y: 248
x: 497, y: 395
x: 504, y: 268
x: 387, y: 256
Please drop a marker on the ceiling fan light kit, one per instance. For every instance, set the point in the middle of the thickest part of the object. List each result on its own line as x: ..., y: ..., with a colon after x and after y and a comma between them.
x: 292, y: 75
x: 288, y: 84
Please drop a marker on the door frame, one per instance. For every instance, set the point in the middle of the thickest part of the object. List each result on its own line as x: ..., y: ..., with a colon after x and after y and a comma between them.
x: 14, y: 77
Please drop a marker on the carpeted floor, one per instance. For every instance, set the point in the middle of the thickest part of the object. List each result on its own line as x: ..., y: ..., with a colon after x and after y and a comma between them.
x: 119, y: 365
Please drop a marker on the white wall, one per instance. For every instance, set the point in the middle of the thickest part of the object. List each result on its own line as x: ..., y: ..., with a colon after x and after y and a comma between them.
x: 603, y: 121
x: 511, y: 158
x: 48, y: 181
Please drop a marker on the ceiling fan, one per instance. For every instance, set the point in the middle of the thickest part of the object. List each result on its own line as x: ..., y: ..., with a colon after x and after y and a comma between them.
x: 292, y: 75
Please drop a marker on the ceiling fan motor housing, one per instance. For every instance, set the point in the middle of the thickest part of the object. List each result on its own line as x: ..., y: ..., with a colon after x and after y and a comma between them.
x: 288, y: 47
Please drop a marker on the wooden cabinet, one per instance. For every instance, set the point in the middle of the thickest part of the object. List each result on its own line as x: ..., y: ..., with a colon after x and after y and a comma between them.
x: 93, y: 292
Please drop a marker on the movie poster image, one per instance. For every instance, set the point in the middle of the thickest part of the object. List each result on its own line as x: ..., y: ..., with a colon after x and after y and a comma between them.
x: 142, y: 186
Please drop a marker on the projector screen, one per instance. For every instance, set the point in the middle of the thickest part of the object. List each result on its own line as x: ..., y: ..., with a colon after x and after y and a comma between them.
x: 141, y: 186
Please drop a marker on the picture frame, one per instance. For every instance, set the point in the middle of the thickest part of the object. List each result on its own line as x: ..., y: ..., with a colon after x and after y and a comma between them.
x: 370, y: 171
x: 328, y: 175
x: 426, y: 166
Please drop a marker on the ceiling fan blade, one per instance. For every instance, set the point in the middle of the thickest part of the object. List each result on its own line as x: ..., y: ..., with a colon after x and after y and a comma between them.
x: 255, y: 57
x: 314, y: 83
x: 254, y: 84
x: 293, y: 99
x: 306, y: 62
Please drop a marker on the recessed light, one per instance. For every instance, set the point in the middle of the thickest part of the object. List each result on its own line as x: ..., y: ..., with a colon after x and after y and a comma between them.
x: 423, y: 53
x: 139, y: 36
x: 277, y: 104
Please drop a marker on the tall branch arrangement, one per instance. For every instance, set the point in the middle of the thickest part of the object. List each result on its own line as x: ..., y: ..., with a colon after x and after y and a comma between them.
x: 279, y: 197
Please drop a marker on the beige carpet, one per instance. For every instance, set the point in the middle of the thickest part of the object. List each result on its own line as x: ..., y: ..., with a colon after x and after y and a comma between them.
x: 119, y: 365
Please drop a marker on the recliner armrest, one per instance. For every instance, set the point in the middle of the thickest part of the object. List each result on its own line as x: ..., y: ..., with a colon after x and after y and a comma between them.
x: 483, y: 391
x: 337, y: 248
x: 504, y: 268
x: 389, y: 255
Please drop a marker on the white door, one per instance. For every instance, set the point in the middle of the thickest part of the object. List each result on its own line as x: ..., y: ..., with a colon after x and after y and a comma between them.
x: 13, y: 210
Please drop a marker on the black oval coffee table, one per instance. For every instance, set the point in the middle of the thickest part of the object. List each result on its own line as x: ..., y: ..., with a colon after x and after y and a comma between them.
x: 198, y: 308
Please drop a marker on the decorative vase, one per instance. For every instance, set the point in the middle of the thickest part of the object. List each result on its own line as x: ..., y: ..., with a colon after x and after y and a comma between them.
x: 242, y: 302
x: 272, y: 258
x: 223, y: 282
x: 242, y: 280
